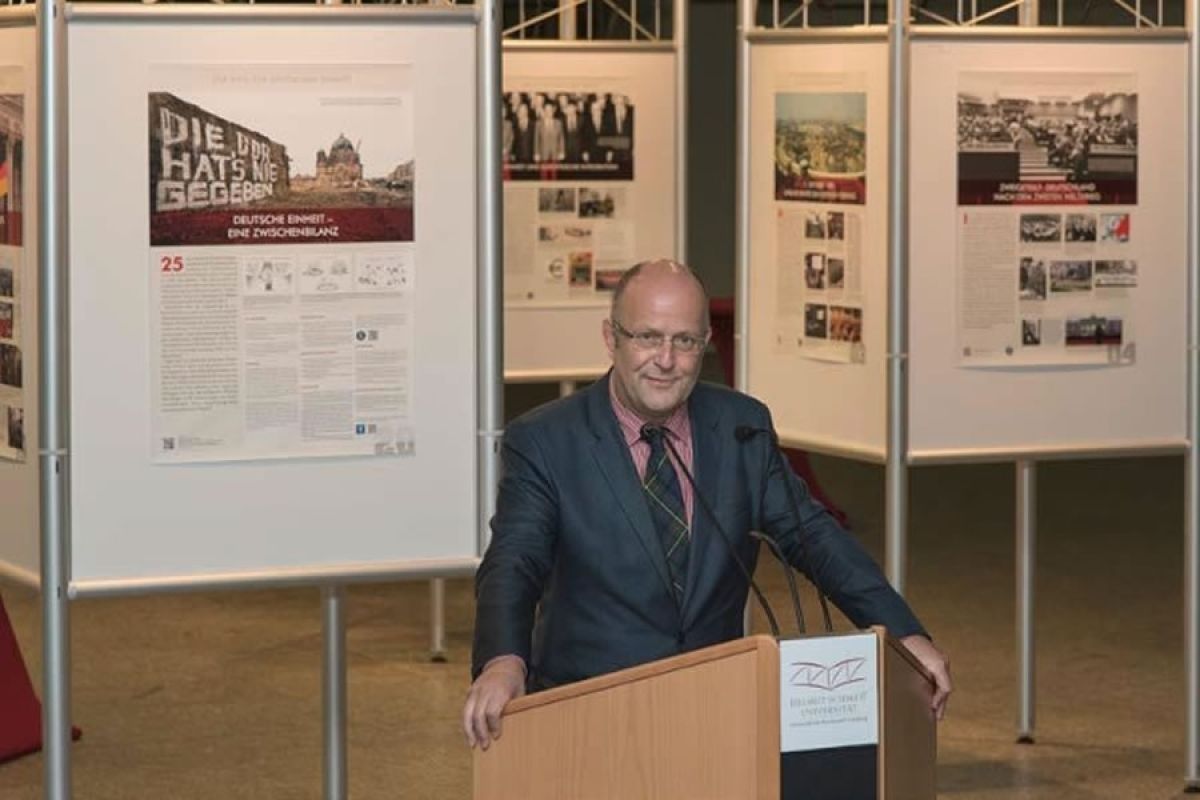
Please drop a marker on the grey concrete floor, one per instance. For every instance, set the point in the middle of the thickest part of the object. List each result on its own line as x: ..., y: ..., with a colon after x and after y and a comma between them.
x: 218, y: 695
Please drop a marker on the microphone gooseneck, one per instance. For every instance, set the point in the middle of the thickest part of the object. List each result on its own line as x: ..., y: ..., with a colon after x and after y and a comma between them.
x: 788, y: 575
x: 744, y: 433
x: 648, y: 432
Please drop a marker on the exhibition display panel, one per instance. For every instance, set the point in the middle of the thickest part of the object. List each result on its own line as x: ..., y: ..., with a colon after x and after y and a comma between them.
x: 1048, y: 262
x: 591, y: 148
x: 18, y: 298
x: 816, y: 322
x: 284, y: 338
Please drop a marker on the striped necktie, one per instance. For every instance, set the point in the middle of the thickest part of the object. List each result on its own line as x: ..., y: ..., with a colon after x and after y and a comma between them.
x: 666, y: 507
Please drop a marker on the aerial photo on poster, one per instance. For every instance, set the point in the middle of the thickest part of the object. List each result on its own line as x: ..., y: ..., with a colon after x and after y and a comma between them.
x: 821, y: 147
x: 1047, y: 138
x: 273, y: 155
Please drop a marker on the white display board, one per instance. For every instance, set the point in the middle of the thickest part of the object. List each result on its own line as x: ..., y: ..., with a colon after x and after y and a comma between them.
x: 139, y: 522
x: 19, y: 501
x: 817, y: 325
x: 572, y: 226
x: 1067, y: 392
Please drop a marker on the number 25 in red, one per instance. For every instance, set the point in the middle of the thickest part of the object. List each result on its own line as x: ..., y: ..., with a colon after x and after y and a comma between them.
x: 171, y: 263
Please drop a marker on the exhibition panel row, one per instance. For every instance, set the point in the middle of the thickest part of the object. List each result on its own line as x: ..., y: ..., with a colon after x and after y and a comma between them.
x: 272, y: 318
x: 1047, y: 261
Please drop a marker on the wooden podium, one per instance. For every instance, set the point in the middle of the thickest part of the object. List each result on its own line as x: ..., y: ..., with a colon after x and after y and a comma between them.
x: 707, y: 724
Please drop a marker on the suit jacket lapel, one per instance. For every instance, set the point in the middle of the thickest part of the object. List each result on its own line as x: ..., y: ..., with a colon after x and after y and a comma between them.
x: 708, y: 449
x: 616, y: 465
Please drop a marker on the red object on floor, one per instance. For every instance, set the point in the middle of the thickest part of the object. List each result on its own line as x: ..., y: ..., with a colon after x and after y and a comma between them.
x: 721, y: 312
x: 20, y: 710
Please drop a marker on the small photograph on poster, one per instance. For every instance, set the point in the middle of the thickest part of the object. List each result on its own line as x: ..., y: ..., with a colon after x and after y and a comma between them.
x: 1033, y: 279
x: 1120, y: 274
x: 382, y: 273
x: 8, y: 321
x: 814, y: 225
x: 1031, y: 332
x: 835, y: 225
x: 816, y: 321
x: 601, y: 203
x: 12, y: 443
x: 821, y: 147
x: 326, y: 275
x: 274, y: 154
x: 607, y: 279
x: 12, y: 149
x: 845, y: 324
x: 267, y: 276
x: 836, y: 272
x: 1114, y: 228
x: 1047, y: 138
x: 556, y: 201
x: 1070, y: 276
x: 814, y: 270
x: 1093, y: 330
x: 10, y: 366
x: 1080, y: 228
x: 7, y: 282
x: 1041, y: 228
x: 580, y: 264
x: 557, y: 136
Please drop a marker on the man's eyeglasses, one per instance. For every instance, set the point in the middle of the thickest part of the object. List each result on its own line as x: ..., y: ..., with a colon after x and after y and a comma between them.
x: 653, y: 340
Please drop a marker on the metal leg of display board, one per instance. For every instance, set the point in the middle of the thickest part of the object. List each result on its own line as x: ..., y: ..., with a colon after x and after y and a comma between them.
x: 53, y: 401
x: 566, y: 388
x: 896, y: 491
x: 1026, y: 546
x: 333, y: 691
x: 437, y: 620
x: 1191, y: 611
x: 1191, y: 569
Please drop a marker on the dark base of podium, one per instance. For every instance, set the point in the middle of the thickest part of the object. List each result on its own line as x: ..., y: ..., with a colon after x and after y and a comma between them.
x: 21, y: 722
x: 840, y: 773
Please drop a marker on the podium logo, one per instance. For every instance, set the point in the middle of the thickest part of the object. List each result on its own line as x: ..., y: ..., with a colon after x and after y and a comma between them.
x: 827, y: 677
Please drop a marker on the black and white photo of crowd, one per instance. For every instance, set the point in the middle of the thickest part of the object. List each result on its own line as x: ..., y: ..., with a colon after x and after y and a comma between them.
x: 1041, y: 228
x: 1080, y: 228
x: 567, y: 136
x: 1116, y: 274
x: 1061, y: 136
x: 1070, y: 276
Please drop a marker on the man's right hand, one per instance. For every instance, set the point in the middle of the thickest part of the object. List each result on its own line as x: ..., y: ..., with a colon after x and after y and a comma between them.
x: 503, y: 679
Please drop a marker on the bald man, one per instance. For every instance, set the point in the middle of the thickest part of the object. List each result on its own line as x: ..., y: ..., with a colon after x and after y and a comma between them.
x: 602, y: 557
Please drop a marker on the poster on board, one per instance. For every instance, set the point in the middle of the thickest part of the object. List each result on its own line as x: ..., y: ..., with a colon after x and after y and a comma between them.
x: 1048, y: 200
x: 820, y: 169
x: 282, y: 260
x: 12, y: 255
x: 569, y: 162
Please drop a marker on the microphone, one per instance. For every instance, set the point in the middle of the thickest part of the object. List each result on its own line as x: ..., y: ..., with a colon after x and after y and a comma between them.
x: 648, y: 432
x: 788, y: 576
x: 744, y: 433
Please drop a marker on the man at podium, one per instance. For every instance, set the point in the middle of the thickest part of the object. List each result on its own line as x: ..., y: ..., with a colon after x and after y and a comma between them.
x: 605, y: 554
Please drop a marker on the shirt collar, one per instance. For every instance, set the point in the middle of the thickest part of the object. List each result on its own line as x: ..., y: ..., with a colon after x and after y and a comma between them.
x: 631, y: 422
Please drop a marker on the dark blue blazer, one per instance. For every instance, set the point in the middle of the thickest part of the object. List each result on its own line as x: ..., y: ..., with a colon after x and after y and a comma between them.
x: 575, y: 580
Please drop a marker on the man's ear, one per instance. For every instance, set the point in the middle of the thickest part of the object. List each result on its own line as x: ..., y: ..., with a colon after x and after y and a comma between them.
x: 610, y: 336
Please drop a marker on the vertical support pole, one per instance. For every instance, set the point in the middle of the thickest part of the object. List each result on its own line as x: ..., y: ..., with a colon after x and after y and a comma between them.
x: 1026, y: 550
x: 746, y: 13
x: 897, y: 364
x: 566, y: 388
x: 490, y: 247
x: 1191, y: 561
x: 566, y: 20
x: 680, y: 35
x: 437, y: 620
x: 1027, y: 14
x: 333, y: 691
x: 742, y: 230
x: 54, y: 387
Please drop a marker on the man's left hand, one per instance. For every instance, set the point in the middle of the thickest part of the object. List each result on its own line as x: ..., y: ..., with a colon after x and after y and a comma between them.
x: 938, y: 665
